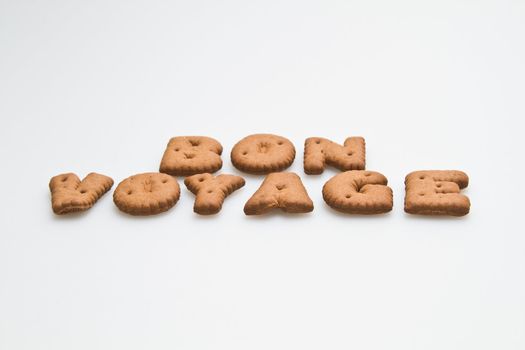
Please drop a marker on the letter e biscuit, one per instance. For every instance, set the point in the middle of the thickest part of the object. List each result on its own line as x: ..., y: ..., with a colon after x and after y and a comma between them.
x: 436, y: 192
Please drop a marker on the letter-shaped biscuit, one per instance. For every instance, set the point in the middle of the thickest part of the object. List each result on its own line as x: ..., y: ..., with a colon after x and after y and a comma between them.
x: 188, y: 155
x: 69, y: 194
x: 263, y: 154
x: 319, y: 152
x: 358, y: 192
x: 211, y: 191
x: 280, y: 190
x: 436, y: 192
x: 147, y: 194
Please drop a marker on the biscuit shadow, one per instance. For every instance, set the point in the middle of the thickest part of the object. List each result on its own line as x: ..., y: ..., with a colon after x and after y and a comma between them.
x: 417, y: 217
x: 70, y: 216
x: 278, y: 213
x: 140, y: 217
x: 340, y: 214
x: 206, y: 217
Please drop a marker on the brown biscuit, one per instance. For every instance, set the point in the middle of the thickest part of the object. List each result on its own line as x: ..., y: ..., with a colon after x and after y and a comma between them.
x: 280, y: 190
x: 69, y: 194
x: 189, y: 155
x: 147, y: 194
x: 436, y: 192
x: 211, y: 191
x: 263, y: 154
x: 319, y: 152
x: 358, y: 192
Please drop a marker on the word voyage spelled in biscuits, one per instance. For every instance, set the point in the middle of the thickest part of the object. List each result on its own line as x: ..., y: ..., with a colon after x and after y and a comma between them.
x: 353, y: 191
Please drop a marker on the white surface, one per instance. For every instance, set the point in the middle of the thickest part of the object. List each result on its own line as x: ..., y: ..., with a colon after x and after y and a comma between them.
x: 102, y: 86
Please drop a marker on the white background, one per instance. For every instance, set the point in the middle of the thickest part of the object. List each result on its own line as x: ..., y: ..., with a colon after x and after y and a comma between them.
x: 102, y: 86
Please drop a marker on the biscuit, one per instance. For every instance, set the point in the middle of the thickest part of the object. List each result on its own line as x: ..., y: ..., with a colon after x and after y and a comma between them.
x: 358, y: 192
x: 280, y: 190
x: 69, y: 194
x: 147, y: 194
x: 263, y: 154
x: 189, y: 155
x: 211, y: 191
x: 319, y: 152
x: 436, y: 192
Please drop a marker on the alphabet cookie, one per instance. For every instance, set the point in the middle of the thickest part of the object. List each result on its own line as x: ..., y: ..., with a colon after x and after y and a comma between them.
x: 358, y: 192
x: 188, y: 155
x: 69, y: 194
x: 147, y: 194
x: 319, y: 152
x: 436, y: 192
x: 211, y: 191
x: 263, y: 154
x: 280, y: 190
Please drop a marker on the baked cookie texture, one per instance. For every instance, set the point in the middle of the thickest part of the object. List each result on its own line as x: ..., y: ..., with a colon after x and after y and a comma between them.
x: 147, y: 194
x: 189, y: 155
x: 263, y: 154
x: 284, y: 191
x: 436, y: 192
x: 69, y: 194
x: 211, y: 191
x: 359, y: 192
x: 320, y: 152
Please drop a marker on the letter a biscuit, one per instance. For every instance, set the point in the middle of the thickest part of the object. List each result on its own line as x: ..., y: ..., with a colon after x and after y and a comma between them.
x: 280, y: 190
